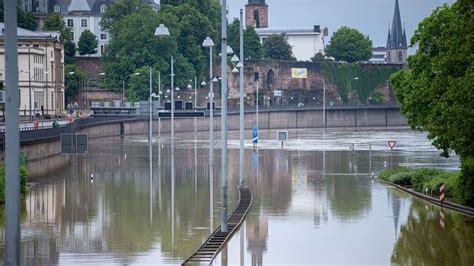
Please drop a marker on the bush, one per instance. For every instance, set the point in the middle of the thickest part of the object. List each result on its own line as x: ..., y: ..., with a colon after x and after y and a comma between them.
x: 420, y: 176
x: 23, y: 180
x: 467, y: 181
x: 401, y: 178
x: 385, y: 175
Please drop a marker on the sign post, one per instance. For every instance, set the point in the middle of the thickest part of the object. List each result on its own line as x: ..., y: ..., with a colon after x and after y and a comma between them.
x: 442, y: 196
x: 255, y: 136
x: 282, y: 136
x: 391, y: 144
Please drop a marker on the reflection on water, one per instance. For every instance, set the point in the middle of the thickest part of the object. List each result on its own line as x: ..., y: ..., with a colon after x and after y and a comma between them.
x: 310, y: 206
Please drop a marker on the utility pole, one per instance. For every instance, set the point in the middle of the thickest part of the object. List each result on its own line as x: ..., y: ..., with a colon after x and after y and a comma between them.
x: 12, y: 137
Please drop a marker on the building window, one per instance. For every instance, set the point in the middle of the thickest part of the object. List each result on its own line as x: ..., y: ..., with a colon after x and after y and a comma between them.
x: 103, y: 8
x: 83, y: 22
x: 389, y: 57
x: 70, y: 22
x: 103, y: 36
x: 57, y: 8
x: 72, y: 35
x: 102, y: 49
x: 400, y: 56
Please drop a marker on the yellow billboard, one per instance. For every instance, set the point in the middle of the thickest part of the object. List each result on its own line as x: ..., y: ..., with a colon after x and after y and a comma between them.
x: 299, y: 73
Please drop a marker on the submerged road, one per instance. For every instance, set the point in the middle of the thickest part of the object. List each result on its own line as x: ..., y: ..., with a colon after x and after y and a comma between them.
x: 313, y: 202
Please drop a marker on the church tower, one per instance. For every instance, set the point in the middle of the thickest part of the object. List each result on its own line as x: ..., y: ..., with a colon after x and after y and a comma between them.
x: 256, y: 14
x: 397, y: 48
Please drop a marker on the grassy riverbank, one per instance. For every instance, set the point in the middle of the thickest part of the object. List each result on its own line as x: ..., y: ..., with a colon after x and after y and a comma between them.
x: 428, y: 181
x: 23, y: 179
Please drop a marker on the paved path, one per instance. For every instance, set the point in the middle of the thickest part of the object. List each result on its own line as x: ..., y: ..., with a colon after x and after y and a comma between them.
x: 214, y: 244
x: 30, y: 125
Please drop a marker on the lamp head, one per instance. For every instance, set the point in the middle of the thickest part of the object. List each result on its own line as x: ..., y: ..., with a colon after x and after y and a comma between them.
x: 240, y: 65
x: 235, y: 59
x: 208, y: 42
x: 203, y: 83
x: 235, y: 70
x: 162, y: 31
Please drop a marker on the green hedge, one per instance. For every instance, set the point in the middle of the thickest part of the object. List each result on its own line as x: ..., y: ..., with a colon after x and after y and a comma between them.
x: 429, y: 180
x: 467, y: 181
x: 23, y: 180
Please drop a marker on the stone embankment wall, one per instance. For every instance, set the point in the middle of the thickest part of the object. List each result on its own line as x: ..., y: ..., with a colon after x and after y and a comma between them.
x: 44, y: 156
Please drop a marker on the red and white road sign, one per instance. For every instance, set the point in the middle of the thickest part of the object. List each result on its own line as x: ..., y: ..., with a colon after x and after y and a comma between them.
x: 441, y: 193
x: 392, y: 143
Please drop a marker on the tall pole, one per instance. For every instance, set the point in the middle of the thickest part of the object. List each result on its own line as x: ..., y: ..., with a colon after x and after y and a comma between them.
x: 159, y: 106
x: 224, y: 118
x: 211, y: 115
x: 12, y: 138
x: 324, y: 103
x: 195, y: 104
x: 172, y: 153
x: 258, y: 80
x: 241, y: 81
x: 29, y: 82
x: 211, y: 142
x: 150, y: 123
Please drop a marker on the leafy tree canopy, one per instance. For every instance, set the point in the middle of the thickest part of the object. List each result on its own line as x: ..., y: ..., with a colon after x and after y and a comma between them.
x: 252, y: 46
x: 276, y: 47
x: 435, y: 92
x: 134, y: 46
x: 72, y: 82
x: 26, y: 20
x: 55, y: 22
x: 87, y: 43
x: 349, y: 45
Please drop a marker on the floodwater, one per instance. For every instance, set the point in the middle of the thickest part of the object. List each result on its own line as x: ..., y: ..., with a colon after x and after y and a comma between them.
x: 314, y: 203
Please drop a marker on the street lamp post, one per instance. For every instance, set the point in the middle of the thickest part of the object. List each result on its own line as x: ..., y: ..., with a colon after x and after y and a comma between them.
x: 240, y: 66
x: 224, y: 161
x: 209, y: 43
x: 123, y: 84
x: 324, y: 103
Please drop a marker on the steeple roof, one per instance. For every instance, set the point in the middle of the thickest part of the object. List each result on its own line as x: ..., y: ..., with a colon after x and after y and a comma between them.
x: 397, y: 38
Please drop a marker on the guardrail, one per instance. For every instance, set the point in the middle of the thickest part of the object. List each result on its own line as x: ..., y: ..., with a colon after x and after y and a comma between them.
x: 50, y: 133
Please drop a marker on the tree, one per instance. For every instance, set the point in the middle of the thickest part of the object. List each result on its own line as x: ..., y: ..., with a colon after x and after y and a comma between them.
x: 318, y: 57
x: 252, y: 45
x: 87, y: 43
x: 276, y: 46
x: 349, y: 45
x: 133, y: 44
x: 72, y: 82
x: 435, y: 92
x: 55, y: 22
x: 26, y: 20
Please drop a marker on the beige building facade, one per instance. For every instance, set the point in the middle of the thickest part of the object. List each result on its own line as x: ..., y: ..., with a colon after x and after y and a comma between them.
x: 41, y: 71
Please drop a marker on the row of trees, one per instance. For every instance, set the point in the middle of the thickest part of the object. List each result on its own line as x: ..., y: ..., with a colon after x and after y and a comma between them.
x: 134, y: 48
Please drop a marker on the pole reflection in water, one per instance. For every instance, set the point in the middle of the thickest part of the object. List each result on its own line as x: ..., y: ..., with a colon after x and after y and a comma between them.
x: 195, y: 160
x: 150, y: 147
x: 242, y: 244
x: 172, y: 194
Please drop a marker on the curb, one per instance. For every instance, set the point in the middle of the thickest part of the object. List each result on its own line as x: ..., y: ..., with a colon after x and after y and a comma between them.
x: 468, y: 211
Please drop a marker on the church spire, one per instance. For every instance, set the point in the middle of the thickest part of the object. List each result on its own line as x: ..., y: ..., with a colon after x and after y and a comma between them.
x: 397, y: 37
x: 389, y: 38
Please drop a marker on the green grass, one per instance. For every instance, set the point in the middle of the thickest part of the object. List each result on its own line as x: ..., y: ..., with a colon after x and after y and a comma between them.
x: 23, y: 180
x: 427, y: 180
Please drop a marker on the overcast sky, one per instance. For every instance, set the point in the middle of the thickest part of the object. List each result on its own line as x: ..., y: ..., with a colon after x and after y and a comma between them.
x: 369, y: 16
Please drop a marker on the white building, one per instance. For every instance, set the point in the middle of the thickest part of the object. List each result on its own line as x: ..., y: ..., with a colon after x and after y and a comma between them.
x: 41, y: 70
x: 306, y: 42
x: 379, y: 55
x: 79, y: 15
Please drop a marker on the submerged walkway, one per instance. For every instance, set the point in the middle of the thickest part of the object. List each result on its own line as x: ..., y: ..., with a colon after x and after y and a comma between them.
x: 214, y: 244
